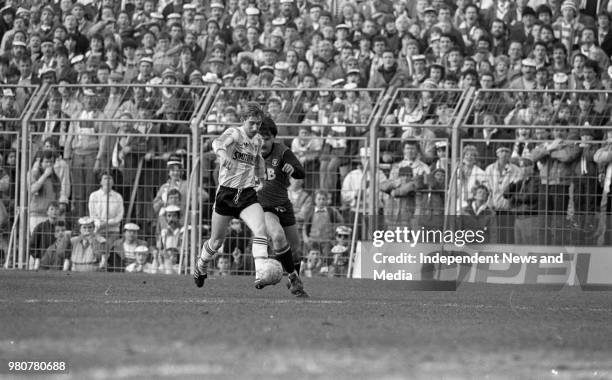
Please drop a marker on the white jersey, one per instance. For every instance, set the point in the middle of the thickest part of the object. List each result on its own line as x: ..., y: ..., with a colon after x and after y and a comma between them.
x: 245, y: 159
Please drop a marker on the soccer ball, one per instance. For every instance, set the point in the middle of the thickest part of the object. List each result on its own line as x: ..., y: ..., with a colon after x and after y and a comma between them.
x: 270, y: 271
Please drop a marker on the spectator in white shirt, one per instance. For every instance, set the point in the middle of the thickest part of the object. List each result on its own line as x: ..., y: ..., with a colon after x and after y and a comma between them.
x: 106, y: 208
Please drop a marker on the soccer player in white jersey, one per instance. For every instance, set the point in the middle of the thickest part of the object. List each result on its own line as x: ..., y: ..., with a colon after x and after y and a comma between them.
x: 241, y: 169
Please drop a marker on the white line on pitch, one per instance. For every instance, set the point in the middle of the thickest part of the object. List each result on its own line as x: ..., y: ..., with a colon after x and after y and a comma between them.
x: 310, y: 301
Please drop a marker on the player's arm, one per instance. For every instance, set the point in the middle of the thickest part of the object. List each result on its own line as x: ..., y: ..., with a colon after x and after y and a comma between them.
x: 221, y: 143
x: 297, y: 170
x: 260, y: 169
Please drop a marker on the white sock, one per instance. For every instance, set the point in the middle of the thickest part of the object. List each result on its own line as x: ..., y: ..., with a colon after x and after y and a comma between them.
x: 260, y: 250
x: 207, y: 252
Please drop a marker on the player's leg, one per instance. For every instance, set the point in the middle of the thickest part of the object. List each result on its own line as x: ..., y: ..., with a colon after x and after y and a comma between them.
x: 253, y: 217
x: 217, y: 235
x: 295, y: 284
x: 281, y: 246
x: 293, y: 238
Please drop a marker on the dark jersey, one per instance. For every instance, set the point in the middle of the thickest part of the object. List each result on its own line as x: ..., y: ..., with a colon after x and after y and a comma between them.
x: 274, y: 191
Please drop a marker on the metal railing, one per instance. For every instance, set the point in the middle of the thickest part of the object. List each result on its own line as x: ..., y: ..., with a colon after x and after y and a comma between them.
x: 371, y: 120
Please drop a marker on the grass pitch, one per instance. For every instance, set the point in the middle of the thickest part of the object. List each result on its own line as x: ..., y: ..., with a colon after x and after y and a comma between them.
x: 130, y: 326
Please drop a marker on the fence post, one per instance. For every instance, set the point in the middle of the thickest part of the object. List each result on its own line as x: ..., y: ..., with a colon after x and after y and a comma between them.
x: 465, y: 106
x: 196, y: 184
x: 382, y: 107
x: 22, y: 233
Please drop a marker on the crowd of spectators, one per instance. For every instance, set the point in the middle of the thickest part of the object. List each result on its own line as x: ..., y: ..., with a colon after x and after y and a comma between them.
x: 532, y: 150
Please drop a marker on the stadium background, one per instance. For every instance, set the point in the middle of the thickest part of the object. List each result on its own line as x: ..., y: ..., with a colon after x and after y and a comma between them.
x: 138, y: 90
x: 162, y: 78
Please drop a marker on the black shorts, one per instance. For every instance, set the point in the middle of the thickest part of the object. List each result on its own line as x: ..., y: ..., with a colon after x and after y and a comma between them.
x: 285, y: 214
x: 231, y: 202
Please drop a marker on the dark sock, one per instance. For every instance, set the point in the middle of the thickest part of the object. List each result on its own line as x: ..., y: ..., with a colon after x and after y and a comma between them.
x: 297, y: 265
x: 286, y: 259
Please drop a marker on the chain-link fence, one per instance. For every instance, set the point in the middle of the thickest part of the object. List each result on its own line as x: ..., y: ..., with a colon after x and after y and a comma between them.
x: 326, y: 129
x: 15, y: 101
x: 531, y: 167
x: 108, y: 178
x: 541, y: 155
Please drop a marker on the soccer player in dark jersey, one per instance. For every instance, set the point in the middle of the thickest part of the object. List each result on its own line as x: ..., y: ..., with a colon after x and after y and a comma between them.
x: 281, y: 163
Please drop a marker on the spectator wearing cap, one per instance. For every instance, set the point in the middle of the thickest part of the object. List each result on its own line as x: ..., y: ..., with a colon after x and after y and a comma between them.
x: 277, y: 41
x: 214, y: 65
x: 145, y: 70
x: 47, y: 59
x: 171, y: 237
x: 341, y: 36
x: 10, y: 110
x: 338, y: 262
x: 499, y: 176
x: 524, y: 82
x: 567, y: 28
x: 419, y: 67
x: 106, y: 208
x: 442, y: 157
x: 123, y: 250
x: 89, y: 249
x: 175, y: 181
x: 522, y: 30
x: 405, y: 178
x: 142, y: 264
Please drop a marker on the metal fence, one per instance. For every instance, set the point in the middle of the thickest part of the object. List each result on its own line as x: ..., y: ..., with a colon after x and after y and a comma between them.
x: 341, y: 137
x: 15, y: 101
x: 117, y: 156
x: 541, y: 154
